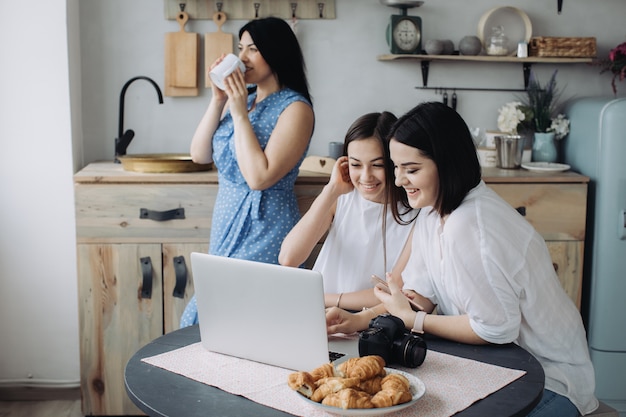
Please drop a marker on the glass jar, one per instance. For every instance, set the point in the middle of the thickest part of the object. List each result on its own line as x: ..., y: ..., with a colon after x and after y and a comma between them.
x: 498, y: 43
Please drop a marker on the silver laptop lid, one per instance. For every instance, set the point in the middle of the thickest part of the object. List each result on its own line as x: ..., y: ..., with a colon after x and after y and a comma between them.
x: 262, y: 312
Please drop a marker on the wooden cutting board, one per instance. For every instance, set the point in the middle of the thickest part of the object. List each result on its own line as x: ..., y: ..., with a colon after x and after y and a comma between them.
x: 181, y: 60
x: 216, y: 44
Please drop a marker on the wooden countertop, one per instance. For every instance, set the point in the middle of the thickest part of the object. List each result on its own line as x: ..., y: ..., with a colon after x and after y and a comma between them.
x: 112, y: 173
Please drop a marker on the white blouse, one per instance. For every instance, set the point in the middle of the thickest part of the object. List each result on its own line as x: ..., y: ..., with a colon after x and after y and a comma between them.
x: 353, y: 249
x: 488, y: 262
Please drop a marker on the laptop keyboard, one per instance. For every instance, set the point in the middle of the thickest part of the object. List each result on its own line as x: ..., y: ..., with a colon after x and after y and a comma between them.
x: 333, y: 356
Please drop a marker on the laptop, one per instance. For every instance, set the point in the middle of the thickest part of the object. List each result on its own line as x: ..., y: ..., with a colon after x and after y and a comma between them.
x: 264, y: 312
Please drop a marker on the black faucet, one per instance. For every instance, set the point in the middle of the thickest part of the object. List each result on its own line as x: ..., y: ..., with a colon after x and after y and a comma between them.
x: 123, y: 138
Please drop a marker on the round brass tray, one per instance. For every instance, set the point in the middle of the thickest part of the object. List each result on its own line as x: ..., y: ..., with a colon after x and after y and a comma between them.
x: 162, y: 163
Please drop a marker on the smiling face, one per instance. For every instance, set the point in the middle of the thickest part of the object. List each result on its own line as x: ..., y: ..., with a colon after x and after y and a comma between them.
x: 415, y: 173
x: 257, y: 69
x: 367, y: 168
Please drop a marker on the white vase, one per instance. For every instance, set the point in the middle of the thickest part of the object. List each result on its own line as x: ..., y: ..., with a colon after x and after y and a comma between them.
x: 544, y: 147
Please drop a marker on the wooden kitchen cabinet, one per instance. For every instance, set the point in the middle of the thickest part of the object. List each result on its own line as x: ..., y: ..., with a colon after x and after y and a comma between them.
x: 556, y: 205
x: 129, y: 266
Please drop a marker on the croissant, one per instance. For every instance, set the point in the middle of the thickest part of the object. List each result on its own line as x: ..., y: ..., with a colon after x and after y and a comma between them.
x: 364, y: 367
x: 388, y: 398
x: 395, y: 382
x: 349, y: 398
x: 331, y: 385
x: 371, y: 386
x: 302, y: 382
x: 323, y: 371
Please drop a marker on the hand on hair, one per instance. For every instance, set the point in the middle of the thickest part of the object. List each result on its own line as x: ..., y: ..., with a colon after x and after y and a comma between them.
x: 340, y: 176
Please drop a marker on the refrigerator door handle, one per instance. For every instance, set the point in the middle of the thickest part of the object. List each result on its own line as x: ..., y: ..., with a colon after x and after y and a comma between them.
x: 621, y: 225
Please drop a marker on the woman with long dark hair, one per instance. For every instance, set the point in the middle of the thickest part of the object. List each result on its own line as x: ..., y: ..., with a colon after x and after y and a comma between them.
x: 257, y: 132
x: 363, y: 238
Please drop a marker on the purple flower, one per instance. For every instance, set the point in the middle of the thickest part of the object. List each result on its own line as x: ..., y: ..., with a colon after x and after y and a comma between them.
x: 616, y: 64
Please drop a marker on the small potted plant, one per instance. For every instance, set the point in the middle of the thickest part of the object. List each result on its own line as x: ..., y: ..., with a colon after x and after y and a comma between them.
x: 537, y: 113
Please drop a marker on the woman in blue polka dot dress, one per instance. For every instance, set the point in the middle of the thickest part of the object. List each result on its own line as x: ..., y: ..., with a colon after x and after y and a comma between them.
x: 257, y: 140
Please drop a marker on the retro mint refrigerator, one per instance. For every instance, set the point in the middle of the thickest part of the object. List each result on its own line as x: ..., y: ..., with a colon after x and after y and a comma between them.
x: 596, y: 147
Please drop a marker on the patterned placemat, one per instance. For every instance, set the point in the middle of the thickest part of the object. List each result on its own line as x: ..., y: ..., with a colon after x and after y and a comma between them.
x: 452, y: 383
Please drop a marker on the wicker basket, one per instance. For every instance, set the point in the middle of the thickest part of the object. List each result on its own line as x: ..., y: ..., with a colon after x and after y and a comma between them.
x: 562, y: 47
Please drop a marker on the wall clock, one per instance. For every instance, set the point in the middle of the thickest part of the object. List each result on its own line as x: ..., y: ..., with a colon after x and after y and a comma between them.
x: 404, y: 32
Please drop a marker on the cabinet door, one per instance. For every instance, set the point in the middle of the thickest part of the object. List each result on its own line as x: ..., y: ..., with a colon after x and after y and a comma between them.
x: 567, y: 258
x: 177, y: 267
x: 116, y: 319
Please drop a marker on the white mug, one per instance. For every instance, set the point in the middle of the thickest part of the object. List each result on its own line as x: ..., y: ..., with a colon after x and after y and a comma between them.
x: 228, y: 65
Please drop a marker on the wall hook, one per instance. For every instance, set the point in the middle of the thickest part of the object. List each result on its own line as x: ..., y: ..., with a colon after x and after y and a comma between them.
x: 320, y: 6
x: 219, y: 6
x: 182, y: 6
x: 293, y: 10
x: 256, y: 10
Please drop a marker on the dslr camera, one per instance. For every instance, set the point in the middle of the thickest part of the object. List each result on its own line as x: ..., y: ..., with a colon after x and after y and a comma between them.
x: 388, y: 338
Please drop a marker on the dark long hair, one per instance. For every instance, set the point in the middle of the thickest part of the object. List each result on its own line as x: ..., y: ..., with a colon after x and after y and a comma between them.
x: 279, y: 47
x: 378, y: 126
x: 441, y: 135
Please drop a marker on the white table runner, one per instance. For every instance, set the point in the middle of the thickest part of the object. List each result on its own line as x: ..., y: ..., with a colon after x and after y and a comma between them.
x: 452, y: 383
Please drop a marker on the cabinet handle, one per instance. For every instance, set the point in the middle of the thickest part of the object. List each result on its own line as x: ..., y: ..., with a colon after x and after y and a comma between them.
x: 521, y: 210
x: 146, y: 271
x: 180, y: 270
x: 161, y: 216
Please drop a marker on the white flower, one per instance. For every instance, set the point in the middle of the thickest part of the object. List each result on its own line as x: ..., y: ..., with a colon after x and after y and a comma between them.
x: 560, y: 126
x: 510, y: 116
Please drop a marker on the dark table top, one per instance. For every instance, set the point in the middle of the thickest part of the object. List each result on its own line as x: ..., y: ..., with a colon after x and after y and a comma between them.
x: 158, y: 392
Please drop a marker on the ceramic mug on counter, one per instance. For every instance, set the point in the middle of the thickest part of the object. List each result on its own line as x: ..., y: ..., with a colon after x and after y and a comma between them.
x: 335, y: 149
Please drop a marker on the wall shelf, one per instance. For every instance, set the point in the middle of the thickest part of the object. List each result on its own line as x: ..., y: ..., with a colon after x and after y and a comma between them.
x: 526, y: 65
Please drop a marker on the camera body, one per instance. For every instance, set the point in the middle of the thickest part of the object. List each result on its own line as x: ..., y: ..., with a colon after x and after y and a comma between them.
x: 387, y: 337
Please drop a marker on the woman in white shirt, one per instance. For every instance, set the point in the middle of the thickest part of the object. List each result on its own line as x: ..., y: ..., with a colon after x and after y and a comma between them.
x: 363, y: 237
x: 483, y: 266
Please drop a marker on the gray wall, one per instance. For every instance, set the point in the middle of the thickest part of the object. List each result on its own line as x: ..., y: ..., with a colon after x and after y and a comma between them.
x: 61, y: 77
x: 121, y: 39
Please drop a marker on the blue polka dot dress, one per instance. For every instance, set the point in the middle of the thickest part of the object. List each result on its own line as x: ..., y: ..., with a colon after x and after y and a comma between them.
x: 250, y: 224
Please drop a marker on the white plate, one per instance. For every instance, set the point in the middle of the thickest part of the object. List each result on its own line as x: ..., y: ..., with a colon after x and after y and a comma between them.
x: 418, y: 389
x: 545, y: 166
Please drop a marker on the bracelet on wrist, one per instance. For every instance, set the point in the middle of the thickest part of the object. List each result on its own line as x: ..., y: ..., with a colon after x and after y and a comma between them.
x: 338, y: 299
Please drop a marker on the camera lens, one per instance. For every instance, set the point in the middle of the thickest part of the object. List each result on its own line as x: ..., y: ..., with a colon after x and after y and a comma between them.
x: 410, y: 351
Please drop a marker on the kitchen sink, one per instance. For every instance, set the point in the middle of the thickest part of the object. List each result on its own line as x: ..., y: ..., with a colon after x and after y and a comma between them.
x: 162, y: 163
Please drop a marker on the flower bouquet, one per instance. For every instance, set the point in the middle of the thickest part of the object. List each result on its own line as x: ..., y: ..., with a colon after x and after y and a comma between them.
x: 536, y: 112
x: 616, y: 64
